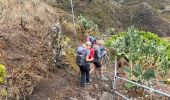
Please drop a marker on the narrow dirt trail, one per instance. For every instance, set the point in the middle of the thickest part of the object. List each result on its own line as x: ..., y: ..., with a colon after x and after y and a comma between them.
x: 61, y: 85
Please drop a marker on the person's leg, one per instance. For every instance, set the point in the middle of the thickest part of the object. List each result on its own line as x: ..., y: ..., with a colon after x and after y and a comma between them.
x: 100, y: 69
x: 95, y: 69
x: 83, y: 76
x: 87, y: 74
x: 101, y: 72
x: 92, y: 67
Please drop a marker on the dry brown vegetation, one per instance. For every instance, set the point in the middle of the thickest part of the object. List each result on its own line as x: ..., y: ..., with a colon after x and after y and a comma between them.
x: 25, y: 44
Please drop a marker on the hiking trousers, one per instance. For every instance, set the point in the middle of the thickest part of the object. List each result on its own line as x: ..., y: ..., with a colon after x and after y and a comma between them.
x: 85, y: 76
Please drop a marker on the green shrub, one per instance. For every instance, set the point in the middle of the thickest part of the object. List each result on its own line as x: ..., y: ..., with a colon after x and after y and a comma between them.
x: 86, y: 24
x: 2, y: 73
x: 141, y: 47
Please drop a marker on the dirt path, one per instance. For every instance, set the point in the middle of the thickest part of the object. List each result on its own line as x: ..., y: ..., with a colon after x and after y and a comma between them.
x: 62, y: 84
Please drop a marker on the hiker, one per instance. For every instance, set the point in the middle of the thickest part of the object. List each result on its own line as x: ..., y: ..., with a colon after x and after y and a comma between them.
x: 93, y: 41
x: 92, y: 67
x: 83, y: 62
x: 98, y: 55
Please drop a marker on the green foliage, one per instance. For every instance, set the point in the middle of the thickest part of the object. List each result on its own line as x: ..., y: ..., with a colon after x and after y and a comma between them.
x: 110, y: 31
x: 149, y: 74
x: 86, y: 24
x: 138, y: 74
x: 129, y: 86
x: 137, y: 70
x: 141, y: 47
x: 2, y: 73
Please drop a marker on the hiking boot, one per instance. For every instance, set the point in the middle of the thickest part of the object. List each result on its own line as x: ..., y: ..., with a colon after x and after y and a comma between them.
x: 89, y: 82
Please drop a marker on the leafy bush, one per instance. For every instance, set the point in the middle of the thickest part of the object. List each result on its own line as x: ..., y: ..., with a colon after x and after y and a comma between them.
x: 2, y: 73
x: 140, y: 47
x: 86, y: 24
x: 140, y: 75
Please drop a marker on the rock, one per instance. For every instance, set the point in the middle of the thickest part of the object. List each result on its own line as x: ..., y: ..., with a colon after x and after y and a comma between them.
x: 106, y: 96
x: 89, y: 87
x: 96, y: 87
x: 92, y: 94
x: 87, y: 96
x: 99, y: 95
x: 106, y: 87
x: 71, y: 98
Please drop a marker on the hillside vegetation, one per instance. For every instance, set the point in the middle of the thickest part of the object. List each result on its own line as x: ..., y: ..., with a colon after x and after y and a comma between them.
x: 106, y: 13
x: 33, y: 32
x: 25, y: 50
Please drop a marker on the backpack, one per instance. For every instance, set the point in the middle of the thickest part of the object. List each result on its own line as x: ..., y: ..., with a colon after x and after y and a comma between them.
x: 96, y: 53
x: 92, y: 39
x: 81, y: 54
x: 102, y: 49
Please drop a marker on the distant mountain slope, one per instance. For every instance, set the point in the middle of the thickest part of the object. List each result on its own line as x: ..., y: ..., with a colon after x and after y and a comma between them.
x: 121, y: 14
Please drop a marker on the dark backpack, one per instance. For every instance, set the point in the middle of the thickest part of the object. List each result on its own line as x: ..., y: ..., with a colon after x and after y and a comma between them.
x: 96, y: 53
x: 81, y: 54
x: 92, y: 39
x: 102, y: 49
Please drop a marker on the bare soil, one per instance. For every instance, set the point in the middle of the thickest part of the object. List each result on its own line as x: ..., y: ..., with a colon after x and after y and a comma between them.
x: 61, y: 85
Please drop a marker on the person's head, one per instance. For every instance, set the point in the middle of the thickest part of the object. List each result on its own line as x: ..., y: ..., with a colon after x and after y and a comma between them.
x: 100, y: 42
x: 88, y: 44
x: 84, y: 45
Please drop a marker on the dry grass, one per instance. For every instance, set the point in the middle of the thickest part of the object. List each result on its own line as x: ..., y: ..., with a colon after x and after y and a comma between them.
x: 24, y: 43
x: 167, y: 38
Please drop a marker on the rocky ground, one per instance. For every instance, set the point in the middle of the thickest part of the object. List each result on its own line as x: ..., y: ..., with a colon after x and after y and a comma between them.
x: 61, y: 84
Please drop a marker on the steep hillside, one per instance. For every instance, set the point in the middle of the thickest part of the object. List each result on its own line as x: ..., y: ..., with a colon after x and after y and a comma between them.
x: 26, y: 50
x: 120, y: 14
x: 156, y: 4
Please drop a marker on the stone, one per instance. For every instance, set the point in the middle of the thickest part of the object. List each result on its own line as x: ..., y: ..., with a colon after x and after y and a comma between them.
x: 87, y: 96
x: 106, y: 96
x: 96, y: 87
x: 106, y: 87
x: 71, y: 98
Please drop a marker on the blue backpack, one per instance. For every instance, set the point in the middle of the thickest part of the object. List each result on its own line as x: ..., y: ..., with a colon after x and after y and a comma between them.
x: 102, y: 49
x: 81, y: 54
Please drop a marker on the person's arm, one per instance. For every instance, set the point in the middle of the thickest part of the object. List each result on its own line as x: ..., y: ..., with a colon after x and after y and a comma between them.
x: 87, y: 57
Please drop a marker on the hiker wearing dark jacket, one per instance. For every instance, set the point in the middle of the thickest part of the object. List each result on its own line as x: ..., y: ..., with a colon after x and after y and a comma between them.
x: 85, y: 76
